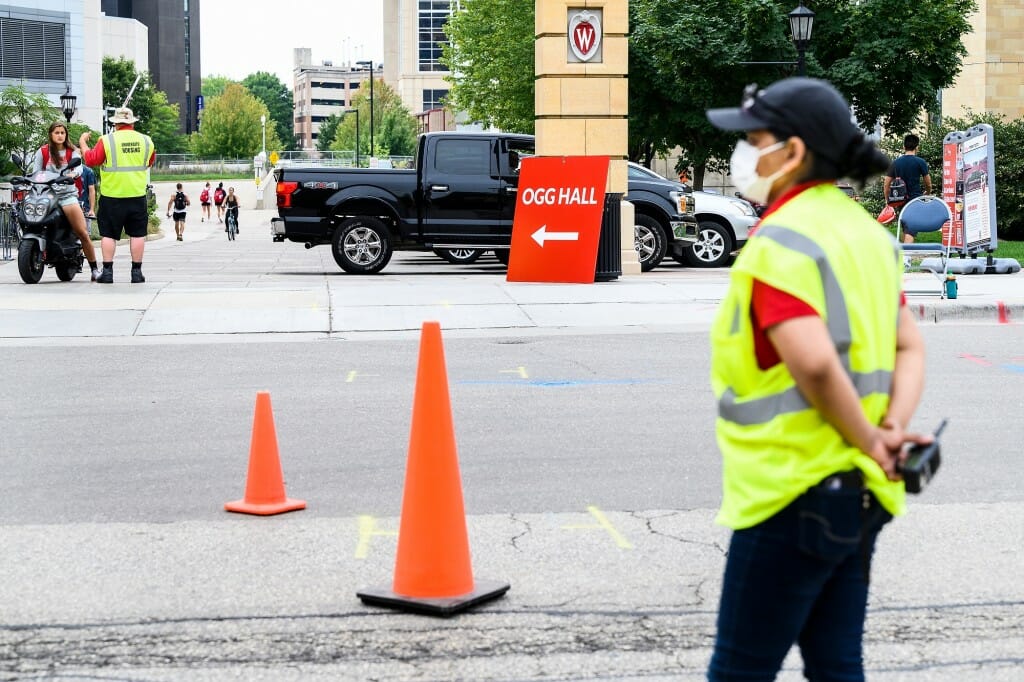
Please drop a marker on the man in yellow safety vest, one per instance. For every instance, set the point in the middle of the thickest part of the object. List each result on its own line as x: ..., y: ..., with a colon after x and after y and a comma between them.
x: 124, y: 156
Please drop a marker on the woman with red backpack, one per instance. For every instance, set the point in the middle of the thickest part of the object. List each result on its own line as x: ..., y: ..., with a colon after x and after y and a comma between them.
x: 53, y: 156
x: 218, y: 198
x: 204, y: 203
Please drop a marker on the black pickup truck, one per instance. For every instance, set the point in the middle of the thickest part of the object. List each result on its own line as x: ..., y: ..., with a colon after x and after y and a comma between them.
x: 461, y: 196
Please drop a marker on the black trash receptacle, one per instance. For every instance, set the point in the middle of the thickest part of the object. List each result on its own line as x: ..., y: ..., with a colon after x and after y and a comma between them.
x: 609, y: 245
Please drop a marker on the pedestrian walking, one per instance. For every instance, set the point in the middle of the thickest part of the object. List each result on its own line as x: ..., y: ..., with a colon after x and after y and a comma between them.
x: 204, y: 203
x: 56, y: 154
x: 904, y: 179
x: 179, y: 202
x: 124, y: 156
x: 818, y: 367
x: 218, y: 199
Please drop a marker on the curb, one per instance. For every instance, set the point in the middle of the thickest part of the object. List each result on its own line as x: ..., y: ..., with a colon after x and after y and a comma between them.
x: 944, y: 310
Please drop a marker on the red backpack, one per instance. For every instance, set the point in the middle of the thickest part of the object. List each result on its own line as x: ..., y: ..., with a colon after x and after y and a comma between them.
x: 67, y: 160
x: 218, y: 196
x: 204, y: 197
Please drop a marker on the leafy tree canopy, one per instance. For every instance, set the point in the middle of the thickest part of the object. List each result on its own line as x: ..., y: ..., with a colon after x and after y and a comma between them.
x: 394, y: 131
x: 492, y: 79
x: 328, y: 131
x: 214, y: 85
x: 269, y: 89
x: 231, y: 126
x: 886, y: 60
x: 157, y: 118
x: 24, y: 119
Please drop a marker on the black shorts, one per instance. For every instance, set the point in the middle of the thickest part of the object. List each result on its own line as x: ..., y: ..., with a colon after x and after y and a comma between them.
x: 205, y: 203
x: 179, y: 216
x: 128, y: 213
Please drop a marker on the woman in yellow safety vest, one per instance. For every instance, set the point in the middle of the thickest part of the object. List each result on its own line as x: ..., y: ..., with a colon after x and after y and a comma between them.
x: 818, y: 367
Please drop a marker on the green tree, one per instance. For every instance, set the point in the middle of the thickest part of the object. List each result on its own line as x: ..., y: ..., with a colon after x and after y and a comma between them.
x: 682, y: 63
x: 887, y: 61
x: 157, y: 118
x: 231, y: 126
x: 24, y: 118
x: 394, y: 131
x: 492, y: 79
x: 269, y: 89
x: 213, y: 86
x: 328, y: 131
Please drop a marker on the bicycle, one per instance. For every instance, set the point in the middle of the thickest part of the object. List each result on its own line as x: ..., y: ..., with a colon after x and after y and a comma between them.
x: 231, y: 221
x: 10, y: 232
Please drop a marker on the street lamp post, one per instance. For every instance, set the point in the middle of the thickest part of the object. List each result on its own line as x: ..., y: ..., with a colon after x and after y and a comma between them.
x: 356, y: 112
x: 369, y: 64
x: 263, y: 123
x: 68, y: 104
x: 801, y: 21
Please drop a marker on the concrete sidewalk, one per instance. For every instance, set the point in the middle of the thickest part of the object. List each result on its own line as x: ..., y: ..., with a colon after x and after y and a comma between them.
x: 206, y: 288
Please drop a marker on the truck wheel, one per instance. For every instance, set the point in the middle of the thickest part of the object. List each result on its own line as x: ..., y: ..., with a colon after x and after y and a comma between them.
x: 459, y: 256
x: 361, y: 246
x: 712, y: 248
x: 649, y: 241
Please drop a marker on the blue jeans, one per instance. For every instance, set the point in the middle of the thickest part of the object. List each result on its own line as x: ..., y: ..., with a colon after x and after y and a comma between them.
x: 801, y: 576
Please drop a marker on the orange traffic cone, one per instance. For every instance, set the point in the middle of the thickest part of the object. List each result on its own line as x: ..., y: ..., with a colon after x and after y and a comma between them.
x: 433, y: 572
x: 264, y: 486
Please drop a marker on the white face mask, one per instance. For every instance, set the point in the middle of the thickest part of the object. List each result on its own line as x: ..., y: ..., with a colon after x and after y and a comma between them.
x: 743, y: 168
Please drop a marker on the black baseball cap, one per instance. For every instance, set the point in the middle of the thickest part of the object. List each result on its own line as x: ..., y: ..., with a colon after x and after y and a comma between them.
x: 808, y: 108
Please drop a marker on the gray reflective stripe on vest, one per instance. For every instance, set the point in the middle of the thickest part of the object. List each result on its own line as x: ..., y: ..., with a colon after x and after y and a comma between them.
x: 112, y: 155
x: 763, y: 410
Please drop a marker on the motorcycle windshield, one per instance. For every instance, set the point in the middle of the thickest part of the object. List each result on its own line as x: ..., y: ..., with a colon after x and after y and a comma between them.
x: 44, y: 176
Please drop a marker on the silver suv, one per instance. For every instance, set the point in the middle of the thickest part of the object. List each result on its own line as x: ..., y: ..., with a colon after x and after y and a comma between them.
x: 723, y: 226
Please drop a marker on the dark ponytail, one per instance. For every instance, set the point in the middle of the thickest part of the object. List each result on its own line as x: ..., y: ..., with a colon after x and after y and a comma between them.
x: 859, y: 161
x: 862, y: 160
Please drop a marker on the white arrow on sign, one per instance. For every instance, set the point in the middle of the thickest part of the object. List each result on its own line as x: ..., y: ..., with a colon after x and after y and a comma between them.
x: 542, y: 235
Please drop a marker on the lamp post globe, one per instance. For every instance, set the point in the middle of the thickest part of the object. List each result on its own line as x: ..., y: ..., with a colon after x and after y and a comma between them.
x: 68, y: 104
x: 801, y: 22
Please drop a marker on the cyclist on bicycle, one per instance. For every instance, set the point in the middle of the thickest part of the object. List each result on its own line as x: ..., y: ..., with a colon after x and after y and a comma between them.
x: 231, y: 204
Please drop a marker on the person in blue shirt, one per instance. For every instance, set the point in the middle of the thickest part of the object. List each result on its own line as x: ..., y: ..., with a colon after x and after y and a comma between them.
x: 87, y: 195
x: 912, y: 169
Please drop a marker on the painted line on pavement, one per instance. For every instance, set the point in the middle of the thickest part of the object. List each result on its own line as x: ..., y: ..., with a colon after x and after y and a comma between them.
x: 602, y: 524
x: 367, y: 530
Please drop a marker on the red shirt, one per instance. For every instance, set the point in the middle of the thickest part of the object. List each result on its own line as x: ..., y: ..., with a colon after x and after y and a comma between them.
x: 98, y: 154
x: 770, y: 306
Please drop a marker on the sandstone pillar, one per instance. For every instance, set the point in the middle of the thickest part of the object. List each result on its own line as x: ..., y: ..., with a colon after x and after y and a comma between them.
x: 582, y: 103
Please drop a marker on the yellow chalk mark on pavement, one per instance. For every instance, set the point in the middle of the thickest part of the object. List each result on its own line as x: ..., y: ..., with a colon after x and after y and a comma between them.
x: 445, y: 303
x: 353, y: 373
x: 368, y: 529
x: 602, y: 524
x: 521, y: 371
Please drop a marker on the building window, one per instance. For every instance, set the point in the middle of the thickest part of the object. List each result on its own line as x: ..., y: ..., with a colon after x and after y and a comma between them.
x: 433, y: 99
x: 32, y: 50
x: 433, y: 15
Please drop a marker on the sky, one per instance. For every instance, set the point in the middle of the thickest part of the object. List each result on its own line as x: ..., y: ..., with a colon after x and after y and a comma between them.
x: 240, y: 37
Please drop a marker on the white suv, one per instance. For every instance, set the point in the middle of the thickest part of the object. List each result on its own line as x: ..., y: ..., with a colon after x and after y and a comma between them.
x: 723, y: 226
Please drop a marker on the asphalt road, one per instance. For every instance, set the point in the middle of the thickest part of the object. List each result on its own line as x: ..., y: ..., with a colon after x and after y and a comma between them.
x: 590, y: 479
x: 587, y: 458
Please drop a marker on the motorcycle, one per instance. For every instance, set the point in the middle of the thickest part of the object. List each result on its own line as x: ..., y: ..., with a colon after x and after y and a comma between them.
x: 46, y: 235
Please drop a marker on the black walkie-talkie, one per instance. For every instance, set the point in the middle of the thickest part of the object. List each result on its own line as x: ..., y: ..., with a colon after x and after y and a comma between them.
x: 922, y: 462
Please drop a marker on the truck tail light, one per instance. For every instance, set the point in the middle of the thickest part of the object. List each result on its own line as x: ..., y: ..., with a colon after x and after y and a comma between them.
x: 284, y: 193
